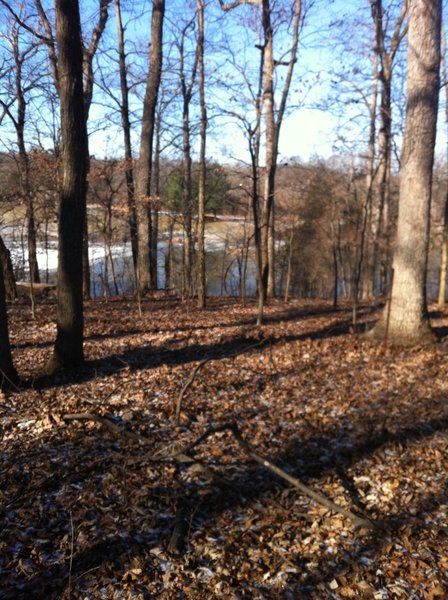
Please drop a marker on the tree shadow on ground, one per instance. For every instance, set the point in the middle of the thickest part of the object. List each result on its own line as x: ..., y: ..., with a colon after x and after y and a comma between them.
x: 148, y: 357
x: 309, y: 457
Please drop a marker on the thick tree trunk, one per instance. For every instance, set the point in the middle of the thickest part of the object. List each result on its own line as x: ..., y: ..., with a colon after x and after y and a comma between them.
x: 68, y: 350
x: 8, y: 374
x: 87, y: 78
x: 144, y: 170
x: 406, y: 320
x: 9, y: 281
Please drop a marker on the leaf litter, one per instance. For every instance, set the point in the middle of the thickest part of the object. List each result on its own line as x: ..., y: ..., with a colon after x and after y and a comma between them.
x: 88, y: 512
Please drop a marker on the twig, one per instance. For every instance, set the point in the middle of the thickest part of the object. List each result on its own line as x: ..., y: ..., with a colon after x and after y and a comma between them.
x: 187, y: 385
x: 199, y: 366
x: 118, y: 431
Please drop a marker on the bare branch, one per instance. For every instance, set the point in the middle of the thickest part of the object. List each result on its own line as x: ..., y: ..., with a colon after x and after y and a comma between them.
x: 50, y: 42
x: 89, y: 53
x: 22, y: 23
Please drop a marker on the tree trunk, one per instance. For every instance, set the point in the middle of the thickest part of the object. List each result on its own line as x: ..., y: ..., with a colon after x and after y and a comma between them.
x: 383, y: 226
x: 289, y: 264
x: 187, y: 207
x: 9, y: 281
x: 443, y: 257
x: 8, y: 374
x: 267, y: 230
x: 86, y: 283
x: 153, y: 270
x: 87, y: 54
x: 367, y: 267
x: 202, y: 291
x: 144, y: 170
x: 444, y: 247
x: 87, y: 65
x: 406, y: 319
x: 126, y: 125
x: 24, y: 165
x: 68, y: 350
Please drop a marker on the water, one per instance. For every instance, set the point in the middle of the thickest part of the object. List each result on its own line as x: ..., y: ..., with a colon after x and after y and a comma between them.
x: 223, y: 267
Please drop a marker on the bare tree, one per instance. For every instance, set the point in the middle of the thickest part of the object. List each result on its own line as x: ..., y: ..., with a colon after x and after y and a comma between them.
x: 187, y: 87
x: 273, y: 118
x: 88, y: 53
x: 386, y: 48
x: 126, y: 125
x: 145, y: 164
x: 200, y: 4
x: 405, y: 318
x: 68, y: 349
x: 21, y: 88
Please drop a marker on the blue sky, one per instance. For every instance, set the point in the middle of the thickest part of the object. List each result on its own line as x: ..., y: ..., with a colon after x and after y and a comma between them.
x: 307, y: 130
x: 321, y: 107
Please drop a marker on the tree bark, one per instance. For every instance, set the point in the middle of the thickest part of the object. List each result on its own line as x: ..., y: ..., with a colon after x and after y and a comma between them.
x: 9, y: 281
x: 406, y: 319
x: 267, y: 233
x: 8, y: 374
x: 68, y: 349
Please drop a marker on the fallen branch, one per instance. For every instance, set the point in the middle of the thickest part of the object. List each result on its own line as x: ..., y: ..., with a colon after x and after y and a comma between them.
x: 358, y: 522
x: 120, y: 431
x: 182, y: 456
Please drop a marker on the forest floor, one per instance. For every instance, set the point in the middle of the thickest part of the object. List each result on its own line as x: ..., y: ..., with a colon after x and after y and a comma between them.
x: 89, y: 505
